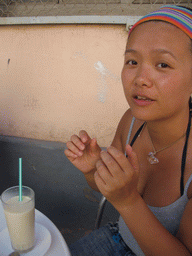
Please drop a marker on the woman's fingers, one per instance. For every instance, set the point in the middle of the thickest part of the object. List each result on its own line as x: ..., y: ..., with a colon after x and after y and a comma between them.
x: 84, y: 147
x: 84, y: 137
x: 94, y: 148
x: 117, y: 160
x: 116, y: 178
x: 132, y: 157
x: 77, y: 142
x: 114, y: 167
x: 104, y: 171
x: 109, y: 173
x: 99, y: 174
x: 73, y: 149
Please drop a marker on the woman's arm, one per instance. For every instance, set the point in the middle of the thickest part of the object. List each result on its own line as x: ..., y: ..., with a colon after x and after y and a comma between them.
x: 83, y: 152
x: 150, y: 234
x: 185, y: 229
x: 117, y: 179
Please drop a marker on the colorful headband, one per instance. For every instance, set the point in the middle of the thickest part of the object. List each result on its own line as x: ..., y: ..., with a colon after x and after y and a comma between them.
x: 176, y: 15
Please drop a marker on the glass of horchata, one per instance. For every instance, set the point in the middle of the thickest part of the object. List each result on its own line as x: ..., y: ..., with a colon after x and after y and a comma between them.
x: 20, y: 217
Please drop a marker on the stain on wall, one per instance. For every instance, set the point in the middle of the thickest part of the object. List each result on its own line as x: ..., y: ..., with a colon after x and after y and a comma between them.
x: 104, y: 73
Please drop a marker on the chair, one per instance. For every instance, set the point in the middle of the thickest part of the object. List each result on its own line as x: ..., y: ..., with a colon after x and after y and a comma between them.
x: 102, y: 204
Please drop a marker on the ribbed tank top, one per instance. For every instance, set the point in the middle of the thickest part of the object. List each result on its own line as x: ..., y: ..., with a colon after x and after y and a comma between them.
x: 169, y: 216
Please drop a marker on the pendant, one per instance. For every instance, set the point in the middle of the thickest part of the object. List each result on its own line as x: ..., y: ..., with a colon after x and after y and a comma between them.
x: 152, y: 159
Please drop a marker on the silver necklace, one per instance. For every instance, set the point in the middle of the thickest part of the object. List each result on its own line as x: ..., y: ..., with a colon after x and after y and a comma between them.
x: 151, y: 156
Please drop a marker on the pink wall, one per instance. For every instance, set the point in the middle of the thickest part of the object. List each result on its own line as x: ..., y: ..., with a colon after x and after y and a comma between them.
x: 58, y: 79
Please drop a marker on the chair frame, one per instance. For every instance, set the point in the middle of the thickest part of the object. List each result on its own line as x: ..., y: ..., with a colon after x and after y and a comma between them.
x: 102, y: 204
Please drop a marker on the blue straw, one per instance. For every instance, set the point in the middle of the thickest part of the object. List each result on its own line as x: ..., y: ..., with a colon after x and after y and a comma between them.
x: 20, y: 179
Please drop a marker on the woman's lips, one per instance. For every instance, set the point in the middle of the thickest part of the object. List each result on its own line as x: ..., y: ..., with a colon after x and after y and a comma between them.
x: 142, y: 100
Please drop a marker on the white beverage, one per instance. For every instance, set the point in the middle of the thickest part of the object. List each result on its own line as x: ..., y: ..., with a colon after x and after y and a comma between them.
x: 20, y: 217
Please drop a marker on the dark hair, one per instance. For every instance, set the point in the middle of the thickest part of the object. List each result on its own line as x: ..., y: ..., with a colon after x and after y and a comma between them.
x: 190, y: 99
x: 190, y: 103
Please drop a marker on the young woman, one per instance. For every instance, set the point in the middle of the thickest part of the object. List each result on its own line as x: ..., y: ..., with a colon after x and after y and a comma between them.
x: 148, y: 181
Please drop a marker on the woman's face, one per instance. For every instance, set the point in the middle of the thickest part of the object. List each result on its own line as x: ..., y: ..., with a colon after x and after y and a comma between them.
x: 157, y: 73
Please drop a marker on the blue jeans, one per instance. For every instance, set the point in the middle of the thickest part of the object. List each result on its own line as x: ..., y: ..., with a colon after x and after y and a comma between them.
x: 105, y: 241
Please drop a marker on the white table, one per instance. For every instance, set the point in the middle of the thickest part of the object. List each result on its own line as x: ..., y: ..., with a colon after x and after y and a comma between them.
x: 58, y: 245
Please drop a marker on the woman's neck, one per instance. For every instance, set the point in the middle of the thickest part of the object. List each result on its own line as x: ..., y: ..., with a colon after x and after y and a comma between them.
x: 165, y: 132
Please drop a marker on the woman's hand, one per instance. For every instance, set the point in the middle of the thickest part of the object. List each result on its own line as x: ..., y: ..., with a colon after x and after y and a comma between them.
x: 83, y: 152
x: 117, y: 176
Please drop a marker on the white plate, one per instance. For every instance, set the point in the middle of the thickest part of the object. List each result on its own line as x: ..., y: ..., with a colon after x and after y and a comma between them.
x: 42, y: 242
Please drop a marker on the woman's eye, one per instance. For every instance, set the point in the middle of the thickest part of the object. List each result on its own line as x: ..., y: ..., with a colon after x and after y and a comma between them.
x: 131, y: 62
x: 163, y: 65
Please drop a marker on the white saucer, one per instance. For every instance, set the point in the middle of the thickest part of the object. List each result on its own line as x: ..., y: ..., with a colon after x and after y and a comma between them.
x: 42, y: 242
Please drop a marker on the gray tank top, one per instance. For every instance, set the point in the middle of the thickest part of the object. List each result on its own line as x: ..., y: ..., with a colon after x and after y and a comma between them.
x: 169, y: 216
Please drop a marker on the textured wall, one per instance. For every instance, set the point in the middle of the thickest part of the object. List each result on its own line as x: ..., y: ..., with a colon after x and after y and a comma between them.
x: 58, y: 79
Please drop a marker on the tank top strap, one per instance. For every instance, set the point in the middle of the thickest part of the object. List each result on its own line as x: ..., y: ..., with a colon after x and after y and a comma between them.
x: 130, y: 130
x: 187, y: 184
x: 182, y: 189
x: 135, y: 136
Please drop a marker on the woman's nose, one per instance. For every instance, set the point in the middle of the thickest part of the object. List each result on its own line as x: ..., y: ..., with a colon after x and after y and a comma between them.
x: 143, y: 77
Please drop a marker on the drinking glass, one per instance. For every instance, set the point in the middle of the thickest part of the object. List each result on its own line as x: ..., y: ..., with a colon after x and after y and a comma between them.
x: 20, y: 217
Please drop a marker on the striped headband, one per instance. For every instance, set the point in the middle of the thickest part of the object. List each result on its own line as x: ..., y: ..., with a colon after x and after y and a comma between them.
x: 176, y: 15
